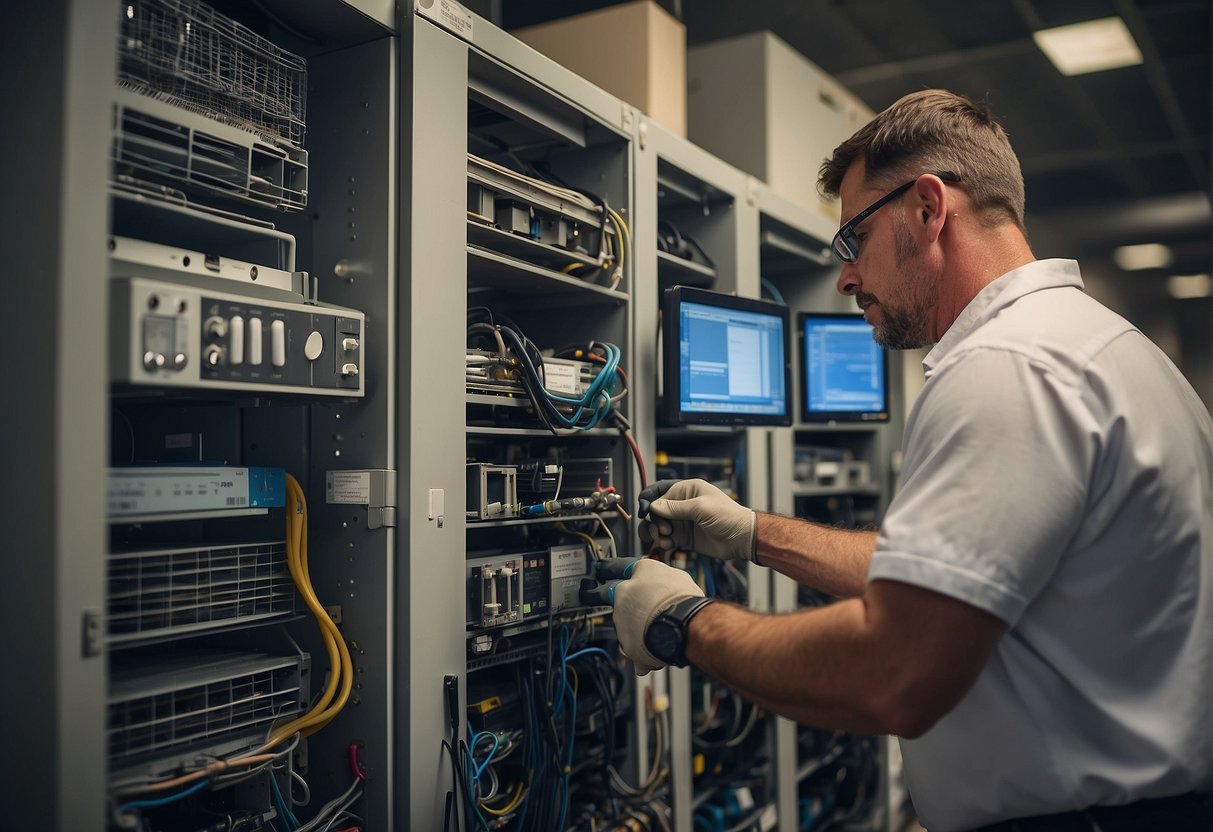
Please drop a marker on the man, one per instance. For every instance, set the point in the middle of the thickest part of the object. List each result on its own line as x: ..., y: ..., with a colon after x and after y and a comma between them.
x: 1035, y: 615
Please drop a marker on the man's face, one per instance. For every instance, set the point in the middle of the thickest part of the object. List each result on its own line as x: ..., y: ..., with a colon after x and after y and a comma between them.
x: 891, y: 283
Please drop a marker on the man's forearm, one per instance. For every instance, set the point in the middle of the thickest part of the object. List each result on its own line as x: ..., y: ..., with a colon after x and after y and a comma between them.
x: 828, y: 559
x: 809, y: 666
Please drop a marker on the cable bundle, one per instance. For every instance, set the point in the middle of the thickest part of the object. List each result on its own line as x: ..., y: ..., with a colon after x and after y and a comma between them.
x: 517, y: 355
x: 321, y: 713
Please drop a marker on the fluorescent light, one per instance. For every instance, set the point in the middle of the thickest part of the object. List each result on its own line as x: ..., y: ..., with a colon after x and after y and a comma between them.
x: 1184, y: 286
x: 1091, y: 46
x: 1144, y: 256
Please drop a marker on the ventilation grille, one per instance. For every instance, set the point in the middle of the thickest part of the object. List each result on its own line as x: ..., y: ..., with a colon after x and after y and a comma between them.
x: 157, y: 143
x: 199, y: 700
x: 167, y: 592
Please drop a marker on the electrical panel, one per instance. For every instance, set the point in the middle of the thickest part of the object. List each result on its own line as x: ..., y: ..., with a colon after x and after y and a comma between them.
x: 553, y: 724
x: 232, y: 700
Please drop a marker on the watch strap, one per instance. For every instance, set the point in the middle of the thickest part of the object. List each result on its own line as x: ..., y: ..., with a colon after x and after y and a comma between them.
x: 679, y: 615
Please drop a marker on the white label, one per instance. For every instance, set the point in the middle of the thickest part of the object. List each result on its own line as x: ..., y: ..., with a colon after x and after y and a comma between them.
x: 449, y: 14
x: 347, y: 487
x: 568, y: 561
x: 745, y: 799
x: 560, y: 378
x: 768, y: 819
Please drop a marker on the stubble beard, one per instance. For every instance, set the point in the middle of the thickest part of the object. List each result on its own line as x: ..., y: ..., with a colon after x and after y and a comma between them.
x: 906, y: 326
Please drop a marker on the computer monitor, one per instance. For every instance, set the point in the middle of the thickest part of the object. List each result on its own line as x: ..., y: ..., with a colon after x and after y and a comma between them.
x: 844, y: 373
x: 727, y: 360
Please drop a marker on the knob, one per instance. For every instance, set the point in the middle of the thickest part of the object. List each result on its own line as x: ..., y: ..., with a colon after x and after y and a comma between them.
x: 153, y: 360
x: 215, y: 328
x: 349, y: 344
x: 313, y: 346
x: 212, y: 356
x: 180, y: 360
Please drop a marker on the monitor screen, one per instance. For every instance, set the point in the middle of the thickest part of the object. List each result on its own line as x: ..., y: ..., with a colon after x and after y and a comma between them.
x: 844, y: 372
x: 727, y: 359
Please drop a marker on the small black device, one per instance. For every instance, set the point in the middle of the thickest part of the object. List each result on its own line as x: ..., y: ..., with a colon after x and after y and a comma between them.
x: 844, y: 373
x: 666, y: 635
x: 727, y: 360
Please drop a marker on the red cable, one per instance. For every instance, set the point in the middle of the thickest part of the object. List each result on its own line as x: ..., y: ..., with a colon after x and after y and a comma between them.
x: 355, y: 764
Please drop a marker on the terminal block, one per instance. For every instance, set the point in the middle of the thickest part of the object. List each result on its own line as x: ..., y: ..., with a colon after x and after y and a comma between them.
x: 494, y: 595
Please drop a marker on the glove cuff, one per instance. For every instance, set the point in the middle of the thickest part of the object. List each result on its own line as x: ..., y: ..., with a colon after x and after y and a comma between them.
x: 753, y: 556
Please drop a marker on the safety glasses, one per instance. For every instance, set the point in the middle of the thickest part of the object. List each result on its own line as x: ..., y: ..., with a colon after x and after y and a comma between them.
x: 846, y: 241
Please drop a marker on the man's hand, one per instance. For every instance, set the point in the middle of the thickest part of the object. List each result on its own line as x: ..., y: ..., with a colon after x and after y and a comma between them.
x: 640, y: 589
x: 696, y: 516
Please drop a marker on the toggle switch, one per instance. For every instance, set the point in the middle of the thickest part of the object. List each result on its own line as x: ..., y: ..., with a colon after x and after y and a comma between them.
x: 236, y: 343
x: 254, y: 341
x: 349, y: 344
x: 215, y: 328
x: 278, y: 343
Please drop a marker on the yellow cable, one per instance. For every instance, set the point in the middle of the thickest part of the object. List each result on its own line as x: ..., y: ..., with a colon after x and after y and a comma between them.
x: 589, y: 541
x: 340, y: 664
x: 626, y: 243
x: 519, y: 793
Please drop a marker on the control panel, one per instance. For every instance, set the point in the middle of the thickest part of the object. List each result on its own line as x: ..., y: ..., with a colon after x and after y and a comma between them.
x: 176, y: 334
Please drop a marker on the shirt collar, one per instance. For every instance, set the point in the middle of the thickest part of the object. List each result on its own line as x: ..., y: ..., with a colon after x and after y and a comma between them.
x: 999, y: 294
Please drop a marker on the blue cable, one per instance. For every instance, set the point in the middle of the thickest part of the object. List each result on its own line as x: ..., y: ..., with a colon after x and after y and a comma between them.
x: 482, y: 766
x: 288, y: 817
x: 162, y: 801
x: 585, y: 651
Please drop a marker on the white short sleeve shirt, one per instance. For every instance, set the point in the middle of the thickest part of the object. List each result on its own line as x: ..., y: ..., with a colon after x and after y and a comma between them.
x: 1058, y: 474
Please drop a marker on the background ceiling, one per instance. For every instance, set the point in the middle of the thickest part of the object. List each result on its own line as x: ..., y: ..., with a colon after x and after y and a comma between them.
x: 1109, y: 158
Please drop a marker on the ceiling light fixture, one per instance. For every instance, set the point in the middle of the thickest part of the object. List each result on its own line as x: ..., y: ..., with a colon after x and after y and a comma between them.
x: 1091, y: 46
x: 1143, y: 256
x: 1185, y: 286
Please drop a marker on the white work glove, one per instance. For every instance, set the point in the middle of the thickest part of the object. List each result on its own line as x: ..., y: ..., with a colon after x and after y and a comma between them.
x: 696, y: 516
x: 650, y: 588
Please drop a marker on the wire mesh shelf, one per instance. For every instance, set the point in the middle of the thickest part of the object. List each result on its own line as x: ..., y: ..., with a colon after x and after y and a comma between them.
x: 198, y: 699
x: 165, y: 592
x: 157, y: 142
x: 209, y: 63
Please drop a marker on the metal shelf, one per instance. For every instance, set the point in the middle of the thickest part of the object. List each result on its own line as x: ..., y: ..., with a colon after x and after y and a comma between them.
x: 492, y: 270
x: 673, y: 270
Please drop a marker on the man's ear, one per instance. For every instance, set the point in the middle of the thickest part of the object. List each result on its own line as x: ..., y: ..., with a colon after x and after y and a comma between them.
x: 932, y: 197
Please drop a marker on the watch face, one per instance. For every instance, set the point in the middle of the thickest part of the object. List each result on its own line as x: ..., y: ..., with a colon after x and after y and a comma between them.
x: 663, y: 639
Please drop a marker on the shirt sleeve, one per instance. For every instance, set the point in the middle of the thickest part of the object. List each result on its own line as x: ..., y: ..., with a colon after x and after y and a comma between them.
x: 994, y: 482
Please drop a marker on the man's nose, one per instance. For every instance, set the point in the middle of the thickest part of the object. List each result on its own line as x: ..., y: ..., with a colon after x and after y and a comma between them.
x: 848, y: 279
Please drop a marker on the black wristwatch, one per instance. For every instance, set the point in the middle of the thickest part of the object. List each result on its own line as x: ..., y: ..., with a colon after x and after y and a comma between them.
x: 666, y: 635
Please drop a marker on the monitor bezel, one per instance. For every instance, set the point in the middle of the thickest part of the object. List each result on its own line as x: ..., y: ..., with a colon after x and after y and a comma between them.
x: 672, y: 298
x: 848, y: 416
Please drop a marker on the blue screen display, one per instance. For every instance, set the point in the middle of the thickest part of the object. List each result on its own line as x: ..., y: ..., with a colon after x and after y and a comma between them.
x: 844, y: 369
x: 730, y: 361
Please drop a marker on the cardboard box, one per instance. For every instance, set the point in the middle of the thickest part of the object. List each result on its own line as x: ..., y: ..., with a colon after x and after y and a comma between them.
x: 635, y: 51
x: 763, y: 107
